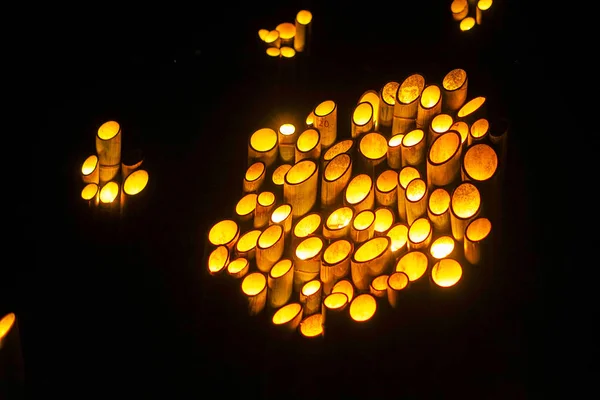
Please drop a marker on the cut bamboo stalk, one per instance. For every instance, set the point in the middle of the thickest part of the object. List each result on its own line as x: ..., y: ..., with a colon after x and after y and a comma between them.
x: 263, y: 146
x: 287, y: 52
x: 446, y: 273
x: 254, y: 287
x: 265, y: 204
x: 312, y: 326
x: 309, y: 225
x: 262, y: 34
x: 363, y: 226
x: 344, y: 286
x: 308, y: 145
x: 311, y: 296
x: 472, y: 110
x: 442, y: 247
x: 337, y: 224
x: 108, y: 144
x: 245, y: 207
x: 307, y: 261
x: 397, y: 283
x: 238, y: 268
x: 90, y: 170
x: 335, y: 263
x: 287, y: 137
x: 310, y: 119
x: 415, y: 199
x: 91, y: 194
x: 398, y: 234
x: 463, y: 129
x: 218, y: 260
x: 414, y: 148
x: 359, y: 193
x: 280, y: 283
x: 444, y: 160
x: 479, y: 164
x: 269, y: 247
x: 414, y: 264
x: 386, y: 192
x: 273, y: 52
x: 405, y: 176
x: 476, y: 233
x: 387, y: 103
x: 300, y: 187
x: 430, y: 104
x: 272, y: 39
x: 254, y: 177
x: 384, y: 219
x: 282, y: 215
x: 373, y: 148
x: 363, y: 307
x: 482, y: 9
x: 440, y: 124
x: 362, y: 119
x: 465, y: 205
x: 394, y: 152
x: 288, y: 317
x: 109, y: 198
x: 303, y: 27
x: 379, y: 286
x: 454, y: 90
x: 407, y: 97
x: 403, y: 125
x: 246, y: 245
x: 438, y: 210
x: 459, y: 9
x: 334, y: 310
x: 467, y: 24
x: 278, y: 177
x: 343, y: 146
x: 134, y: 190
x: 287, y: 32
x: 371, y: 258
x: 108, y: 173
x: 335, y: 179
x: 225, y: 232
x: 12, y: 365
x: 419, y: 234
x: 326, y: 122
x: 131, y: 161
x: 372, y: 97
x: 479, y: 132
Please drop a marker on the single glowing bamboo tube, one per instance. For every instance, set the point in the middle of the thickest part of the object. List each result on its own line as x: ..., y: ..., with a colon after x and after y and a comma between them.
x: 463, y: 129
x: 438, y: 209
x: 282, y: 215
x: 440, y: 124
x: 238, y: 268
x: 335, y: 263
x: 272, y: 39
x: 472, y: 110
x: 372, y: 97
x: 218, y: 260
x: 459, y: 9
x: 335, y: 179
x: 446, y: 272
x: 407, y: 96
x: 344, y: 146
x: 300, y: 187
x: 287, y: 32
x: 310, y: 297
x: 443, y: 159
x: 419, y: 234
x: 414, y: 148
x: 337, y: 224
x: 363, y: 307
x: 312, y: 326
x: 414, y: 264
x: 273, y: 52
x: 386, y: 192
x: 308, y: 225
x: 12, y: 366
x: 288, y: 317
x: 280, y: 282
x: 384, y: 219
x: 481, y: 9
x: 263, y: 146
x: 394, y: 152
x: 362, y: 119
x: 378, y: 287
x: 363, y: 226
x: 245, y: 207
x: 278, y: 177
x: 415, y: 199
x: 397, y: 283
x: 109, y: 195
x: 454, y: 90
x: 308, y: 145
x: 262, y: 34
x: 134, y: 186
x: 226, y: 232
x: 265, y: 204
x: 254, y: 287
x: 371, y: 258
x: 91, y: 194
x: 398, y: 234
x: 405, y: 176
x: 307, y: 261
x: 478, y: 132
x: 287, y: 52
x: 479, y: 164
x: 326, y: 122
x: 430, y: 105
x: 310, y: 119
x: 344, y: 286
x: 269, y: 247
x: 387, y: 103
x: 131, y: 161
x: 246, y: 244
x: 442, y: 247
x: 90, y: 170
x: 108, y: 144
x: 373, y: 148
x: 477, y: 231
x: 359, y: 193
x: 302, y: 22
x: 254, y: 177
x: 334, y: 307
x: 465, y: 205
x: 287, y: 137
x: 467, y: 24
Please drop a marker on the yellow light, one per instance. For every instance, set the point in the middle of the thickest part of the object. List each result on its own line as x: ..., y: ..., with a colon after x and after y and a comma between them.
x: 442, y: 247
x: 281, y: 213
x: 388, y: 93
x: 416, y: 189
x: 419, y: 230
x: 458, y: 5
x: 431, y: 96
x: 465, y: 200
x: 339, y: 218
x: 344, y: 286
x: 287, y: 313
x: 439, y: 201
x: 311, y: 287
x: 307, y: 225
x: 6, y: 323
x: 287, y: 52
x: 480, y: 128
x: 456, y: 78
x: 335, y: 301
x: 466, y: 24
x: 287, y: 129
x: 309, y: 248
x: 371, y: 249
x: 398, y: 280
x: 272, y: 37
x: 338, y: 148
x: 218, y: 259
x: 270, y: 236
x: 236, y: 266
x: 337, y: 167
x: 472, y: 105
x: 89, y: 165
x: 135, y: 182
x: 478, y: 229
x: 337, y: 251
x: 266, y: 199
x: 300, y: 172
x: 373, y: 145
x: 312, y: 326
x: 248, y: 241
x: 446, y: 272
x: 363, y: 220
x: 396, y: 140
x: 308, y: 140
x: 384, y: 218
x: 387, y: 181
x: 273, y: 51
x: 444, y: 147
x: 484, y: 5
x: 281, y: 268
x: 413, y: 264
x: 109, y: 192
x: 441, y: 123
x: 109, y: 130
x: 363, y: 307
x: 462, y: 128
x: 399, y: 235
x: 358, y: 189
x: 411, y: 88
x: 286, y: 30
x: 223, y: 232
x: 362, y: 113
x: 254, y: 283
x: 279, y: 174
x: 263, y: 139
x: 255, y: 171
x: 262, y: 34
x: 480, y: 162
x: 407, y: 175
x: 89, y: 191
x: 304, y: 17
x: 380, y: 283
x: 325, y: 108
x: 413, y: 137
x: 246, y: 204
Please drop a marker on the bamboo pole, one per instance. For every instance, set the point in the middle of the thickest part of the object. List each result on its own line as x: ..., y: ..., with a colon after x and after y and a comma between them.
x: 359, y: 193
x: 309, y: 225
x: 282, y: 215
x: 373, y: 147
x: 454, y: 90
x: 300, y: 187
x: 394, y: 152
x: 446, y: 273
x: 280, y: 283
x: 311, y: 296
x: 134, y: 190
x: 343, y: 146
x: 384, y: 219
x: 307, y: 261
x: 308, y: 145
x: 312, y: 326
x: 254, y: 177
x: 269, y: 247
x: 407, y: 96
x: 414, y: 264
x: 287, y: 137
x: 438, y: 210
x: 439, y: 125
x: 303, y: 29
x: 226, y: 232
x: 337, y: 224
x: 288, y: 317
x: 254, y: 287
x: 430, y: 104
x: 238, y: 268
x: 362, y: 119
x: 465, y: 205
x: 90, y: 170
x: 413, y: 148
x: 372, y: 97
x: 245, y: 207
x: 472, y: 110
x: 415, y: 199
x: 335, y: 179
x: 419, y: 234
x: 477, y: 232
x: 405, y: 176
x: 379, y: 286
x: 386, y: 191
x: 263, y: 146
x: 398, y: 234
x: 387, y: 102
x: 397, y: 284
x: 371, y: 258
x: 478, y: 132
x: 265, y: 204
x: 362, y: 227
x: 363, y: 307
x: 218, y: 260
x: 91, y: 194
x: 335, y: 263
x: 287, y: 32
x: 12, y: 363
x: 444, y: 160
x: 108, y: 144
x: 246, y: 245
x: 459, y: 9
x: 482, y: 9
x: 326, y: 122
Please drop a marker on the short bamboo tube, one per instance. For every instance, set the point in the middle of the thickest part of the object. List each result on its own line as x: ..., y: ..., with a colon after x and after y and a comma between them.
x: 444, y: 160
x: 254, y: 287
x: 311, y: 296
x: 280, y: 283
x: 326, y: 122
x: 430, y: 104
x: 109, y: 195
x: 269, y: 247
x: 442, y: 246
x: 300, y: 187
x: 459, y: 9
x: 282, y: 215
x: 372, y: 258
x: 91, y: 194
x: 303, y: 23
x: 225, y: 232
x: 265, y: 204
x: 245, y: 207
x: 336, y: 176
x: 387, y: 102
x: 362, y: 119
x: 246, y: 245
x: 397, y: 283
x: 218, y: 259
x: 420, y: 234
x: 407, y: 96
x: 454, y: 90
x: 337, y: 224
x: 335, y: 263
x: 438, y: 210
x: 133, y: 190
x: 378, y: 287
x: 343, y: 146
x: 465, y: 205
x: 254, y: 177
x: 372, y: 97
x: 90, y: 170
x: 472, y: 110
x: 308, y: 145
x: 287, y: 135
x: 384, y: 219
x: 362, y: 227
x: 478, y: 132
x: 482, y: 9
x: 288, y: 317
x: 108, y: 144
x: 373, y: 147
x: 359, y: 193
x: 413, y: 148
x: 394, y: 152
x: 405, y: 176
x: 312, y: 326
x: 263, y: 146
x: 238, y: 268
x: 446, y: 273
x: 476, y: 233
x: 309, y: 225
x: 415, y: 200
x: 386, y: 192
x: 334, y: 309
x: 307, y: 261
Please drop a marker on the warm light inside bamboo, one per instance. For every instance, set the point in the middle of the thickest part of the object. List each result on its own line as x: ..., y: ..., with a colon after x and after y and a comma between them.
x: 379, y: 286
x: 371, y: 249
x: 458, y: 7
x: 413, y: 264
x: 344, y: 286
x: 280, y: 282
x: 388, y: 93
x: 247, y: 241
x: 373, y: 146
x: 439, y: 201
x: 325, y: 108
x: 109, y: 192
x: 484, y: 5
x: 337, y: 167
x: 309, y: 248
x: 335, y: 301
x: 287, y: 130
x: 358, y: 189
x: 444, y: 147
x: 416, y: 190
x: 281, y: 268
x: 480, y: 162
x: 6, y: 324
x: 109, y: 130
x: 467, y: 23
x: 238, y: 267
x: 419, y: 231
x: 254, y: 283
x: 224, y: 232
x: 300, y: 187
x: 89, y: 165
x: 466, y: 200
x: 398, y: 281
x: 218, y: 259
x: 478, y: 229
x: 308, y: 144
x: 272, y: 38
x: 399, y: 236
x: 384, y: 219
x: 287, y: 313
x: 278, y: 177
x: 287, y: 52
x: 312, y: 326
x: 307, y: 225
x: 410, y: 89
x: 363, y: 226
x: 310, y: 119
x: 446, y: 272
x: 372, y: 97
x: 394, y: 153
x: 430, y: 96
x: 270, y: 236
x: 136, y: 182
x: 441, y: 123
x: 338, y: 148
x: 262, y: 34
x: 281, y: 213
x: 480, y: 128
x: 396, y: 140
x: 263, y: 140
x: 363, y: 307
x: 89, y: 191
x: 339, y: 218
x: 311, y: 288
x: 462, y: 128
x: 413, y: 138
x: 286, y: 30
x: 335, y: 262
x: 255, y: 171
x: 442, y: 247
x: 326, y: 122
x: 362, y: 114
x: 266, y: 199
x: 472, y: 105
x: 407, y: 175
x: 273, y: 51
x: 246, y: 205
x: 454, y: 79
x: 300, y: 172
x: 387, y: 181
x: 304, y: 17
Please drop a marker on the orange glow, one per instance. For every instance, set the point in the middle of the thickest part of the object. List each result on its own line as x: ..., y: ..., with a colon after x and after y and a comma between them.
x: 363, y: 220
x: 484, y: 5
x: 310, y: 119
x: 384, y: 218
x: 456, y: 78
x: 281, y: 268
x: 387, y: 181
x: 458, y: 6
x: 411, y: 88
x: 287, y: 52
x: 420, y: 230
x: 135, y: 182
x: 286, y: 30
x: 337, y: 167
x: 446, y: 272
x: 308, y: 140
x: 399, y: 235
x: 335, y: 301
x: 439, y: 201
x: 344, y: 286
x: 254, y: 283
x: 304, y: 17
x: 362, y: 114
x: 287, y: 129
x: 309, y: 248
x: 413, y: 137
x: 279, y: 174
x: 311, y: 288
x: 6, y: 324
x: 109, y: 130
x: 480, y: 162
x: 444, y: 147
x: 218, y: 259
x: 478, y: 229
x: 371, y: 97
x: 373, y: 146
x: 339, y: 218
x: 270, y: 236
x: 398, y: 280
x: 363, y: 307
x: 325, y: 108
x: 338, y: 148
x: 407, y: 175
x: 272, y: 37
x: 337, y: 251
x: 466, y: 24
x: 287, y: 313
x: 246, y: 205
x: 89, y: 191
x: 480, y: 128
x: 255, y: 171
x: 431, y: 96
x: 462, y: 128
x: 416, y: 189
x: 89, y: 165
x: 442, y: 247
x: 312, y: 326
x: 300, y: 172
x: 263, y: 140
x: 266, y: 199
x: 248, y: 241
x: 472, y: 105
x: 237, y: 266
x: 262, y: 34
x: 413, y: 264
x: 223, y: 232
x: 388, y: 93
x: 109, y: 192
x: 465, y: 200
x: 273, y: 51
x: 441, y: 123
x: 281, y: 213
x: 380, y: 283
x: 307, y: 225
x: 359, y: 188
x: 396, y: 140
x: 371, y: 249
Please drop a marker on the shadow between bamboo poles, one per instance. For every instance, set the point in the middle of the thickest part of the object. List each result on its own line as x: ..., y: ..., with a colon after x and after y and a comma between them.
x: 402, y: 125
x: 135, y: 191
x: 397, y: 285
x: 280, y: 282
x: 414, y: 148
x: 336, y: 176
x: 444, y: 160
x: 300, y: 187
x: 362, y: 227
x: 415, y: 199
x: 430, y: 104
x: 372, y: 149
x: 420, y: 234
x: 287, y: 318
x: 265, y: 204
x: 362, y: 119
x: 386, y: 192
x: 326, y: 122
x: 454, y: 90
x: 359, y: 193
x: 477, y: 233
x: 308, y: 145
x: 337, y: 223
x: 372, y: 258
x: 465, y: 204
x: 254, y: 177
x: 478, y: 132
x: 303, y: 31
x: 372, y: 97
x: 405, y: 176
x: 263, y: 146
x: 311, y: 295
x: 387, y: 102
x: 438, y: 210
x: 309, y: 225
x: 269, y: 248
x: 335, y: 263
x: 307, y: 261
x: 254, y: 287
x: 346, y: 146
x: 90, y: 170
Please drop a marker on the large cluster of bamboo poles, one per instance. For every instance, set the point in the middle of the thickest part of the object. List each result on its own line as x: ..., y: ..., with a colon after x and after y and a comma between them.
x: 334, y: 222
x: 469, y: 13
x: 288, y: 38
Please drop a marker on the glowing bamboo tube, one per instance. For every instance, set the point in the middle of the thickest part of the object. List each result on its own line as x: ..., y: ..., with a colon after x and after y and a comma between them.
x: 386, y: 192
x: 443, y: 159
x: 479, y: 164
x: 238, y: 268
x: 310, y: 119
x: 300, y: 187
x: 477, y: 231
x: 396, y: 284
x: 91, y: 194
x: 287, y: 32
x: 372, y: 97
x: 359, y: 193
x: 481, y: 9
x: 438, y: 209
x: 272, y: 39
x: 282, y: 215
x: 269, y: 247
x: 307, y: 261
x: 218, y: 260
x: 130, y: 162
x: 287, y: 137
x: 363, y: 307
x: 472, y: 110
x: 387, y: 104
x: 280, y: 283
x: 454, y: 90
x: 246, y: 244
x: 394, y: 152
x: 263, y: 146
x: 414, y: 264
x: 244, y: 209
x: 335, y: 263
x: 310, y: 297
x: 308, y: 145
x: 108, y: 149
x: 303, y: 23
x: 254, y: 286
x: 334, y: 307
x: 262, y: 34
x: 373, y: 148
x: 384, y: 219
x: 307, y: 226
x: 265, y: 204
x: 405, y: 176
x: 312, y: 326
x: 362, y: 119
x: 478, y: 132
x: 254, y: 177
x: 416, y: 200
x: 370, y: 259
x: 419, y: 234
x: 446, y: 272
x: 225, y: 232
x: 273, y: 52
x: 288, y: 317
x: 344, y: 286
x: 12, y: 372
x: 335, y: 179
x: 430, y: 105
x: 345, y: 146
x: 287, y: 52
x: 467, y: 24
x: 134, y: 187
x: 442, y: 247
x: 459, y: 9
x: 278, y: 177
x: 90, y: 170
x: 109, y: 193
x: 465, y: 204
x: 326, y: 122
x: 363, y: 226
x: 398, y: 234
x: 413, y: 148
x: 440, y: 124
x: 378, y: 287
x: 463, y: 129
x: 337, y: 224
x: 407, y: 97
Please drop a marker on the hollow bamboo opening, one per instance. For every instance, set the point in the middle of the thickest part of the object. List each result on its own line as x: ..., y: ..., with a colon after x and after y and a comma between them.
x: 467, y: 23
x: 109, y: 192
x: 280, y: 283
x: 337, y: 167
x: 224, y: 232
x: 272, y: 38
x: 307, y: 225
x: 254, y: 286
x: 238, y: 268
x: 441, y: 123
x: 246, y: 245
x: 245, y: 207
x: 89, y: 191
x: 263, y: 146
x: 414, y: 264
x: 362, y: 114
x: 480, y: 162
x: 286, y: 30
x: 372, y: 97
x: 444, y: 148
x: 439, y: 201
x: 413, y: 147
x: 278, y: 176
x: 430, y: 96
x: 287, y: 52
x: 359, y: 192
x: 288, y: 313
x: 379, y: 286
x: 89, y: 169
x: 471, y: 106
x: 326, y: 122
x: 136, y: 182
x: 370, y: 260
x: 384, y: 219
x: 335, y: 262
x: 309, y: 248
x: 478, y: 229
x: 218, y: 259
x: 337, y: 252
x: 363, y: 226
x: 398, y: 281
x: 386, y: 188
x: 270, y: 236
x: 415, y: 199
x: 6, y: 324
x: 273, y: 51
x: 406, y: 98
x: 300, y: 187
x: 394, y: 152
x: 462, y: 128
x: 419, y: 233
x: 254, y: 176
x: 308, y: 145
x: 466, y: 200
x: 344, y: 146
x: 262, y: 34
x: 265, y: 199
x: 338, y: 222
x: 398, y: 235
x: 304, y: 17
x: 344, y: 286
x: 459, y: 9
x: 373, y: 146
x: 312, y: 326
x: 454, y: 86
x: 363, y: 307
x: 446, y: 272
x: 335, y: 301
x: 442, y: 247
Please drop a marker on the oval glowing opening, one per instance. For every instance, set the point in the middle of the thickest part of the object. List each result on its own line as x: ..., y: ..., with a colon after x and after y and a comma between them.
x: 388, y: 92
x: 372, y: 97
x: 310, y: 119
x: 255, y: 171
x: 387, y: 181
x: 362, y: 114
x: 373, y: 146
x: 456, y: 78
x: 416, y: 190
x: 372, y: 248
x: 442, y: 247
x: 396, y: 140
x: 446, y: 272
x: 281, y: 268
x: 398, y: 281
x: 484, y: 5
x: 380, y: 283
x: 287, y: 52
x: 266, y: 199
x: 309, y: 248
x: 286, y: 30
x: 480, y: 128
x: 248, y: 241
x: 413, y: 138
x: 363, y: 307
x: 407, y: 175
x: 337, y: 251
x: 263, y: 140
x: 338, y: 148
x: 462, y: 128
x: 480, y: 162
x: 287, y: 129
x: 359, y: 188
x: 478, y: 229
x: 89, y: 165
x: 89, y: 191
x: 439, y: 201
x: 384, y: 218
x: 308, y: 140
x: 135, y: 182
x: 281, y: 213
x: 286, y: 313
x: 312, y: 326
x: 337, y: 167
x: 413, y: 264
x: 272, y: 36
x: 311, y: 287
x: 335, y: 301
x: 254, y: 283
x: 279, y: 174
x: 441, y: 123
x: 339, y: 218
x: 465, y: 200
x: 325, y: 108
x: 262, y: 34
x: 304, y: 17
x: 431, y: 96
x: 246, y: 205
x: 6, y: 323
x: 467, y: 23
x: 218, y: 259
x: 270, y: 236
x: 444, y: 147
x: 344, y: 286
x: 109, y: 192
x: 457, y: 6
x: 398, y: 234
x: 363, y: 220
x: 223, y: 232
x: 411, y: 88
x: 236, y: 266
x: 472, y: 105
x: 300, y: 172
x: 109, y: 130
x: 273, y: 51
x: 307, y: 225
x: 420, y: 230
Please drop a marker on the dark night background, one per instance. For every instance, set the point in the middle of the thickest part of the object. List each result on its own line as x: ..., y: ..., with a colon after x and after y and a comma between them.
x: 126, y: 308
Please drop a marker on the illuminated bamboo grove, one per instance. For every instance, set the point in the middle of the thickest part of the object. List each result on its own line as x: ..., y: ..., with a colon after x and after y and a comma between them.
x: 288, y: 39
x: 351, y: 219
x: 470, y: 13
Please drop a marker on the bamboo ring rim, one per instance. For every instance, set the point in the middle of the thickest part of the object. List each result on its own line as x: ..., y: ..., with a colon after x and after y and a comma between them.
x: 325, y: 103
x: 361, y: 104
x: 279, y: 236
x: 489, y: 232
x: 339, y: 228
x: 346, y: 257
x: 318, y: 142
x: 303, y: 161
x: 424, y: 193
x: 266, y: 130
x: 466, y: 153
x: 376, y: 256
x: 348, y: 166
x: 479, y: 205
x: 455, y: 70
x: 456, y: 150
x: 366, y: 193
x: 429, y: 234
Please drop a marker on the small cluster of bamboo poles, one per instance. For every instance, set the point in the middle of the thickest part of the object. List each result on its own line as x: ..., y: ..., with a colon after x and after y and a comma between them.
x: 329, y: 223
x: 288, y: 39
x: 111, y: 181
x: 469, y: 13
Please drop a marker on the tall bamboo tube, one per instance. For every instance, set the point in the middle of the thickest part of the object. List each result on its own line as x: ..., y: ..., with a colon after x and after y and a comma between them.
x: 438, y: 209
x: 308, y: 225
x: 363, y: 307
x: 386, y: 192
x: 419, y: 234
x: 226, y: 232
x: 414, y: 264
x: 287, y: 135
x: 477, y: 232
x: 337, y: 224
x: 444, y: 159
x: 415, y: 199
x: 326, y: 122
x: 273, y: 52
x: 133, y: 189
x: 335, y: 179
x: 288, y: 317
x: 398, y: 234
x: 478, y: 132
x: 311, y: 296
x: 254, y: 287
x: 454, y: 90
x: 308, y: 145
x: 335, y: 263
x: 430, y: 104
x: 303, y: 30
x: 282, y: 215
x: 269, y: 247
x: 459, y: 9
x: 218, y: 260
x: 394, y: 152
x: 343, y: 146
x: 278, y: 177
x: 387, y: 103
x: 307, y: 261
x: 246, y: 245
x: 254, y: 177
x: 280, y: 283
x: 405, y: 176
x: 265, y: 204
x: 372, y: 97
x: 245, y: 207
x: 359, y: 193
x: 397, y: 283
x: 90, y: 170
x: 407, y: 96
x: 439, y: 124
x: 263, y: 146
x: 108, y: 144
x: 384, y: 219
x: 378, y: 287
x: 465, y: 205
x: 371, y: 258
x: 373, y: 147
x: 362, y: 119
x: 109, y: 197
x: 300, y: 186
x: 481, y: 9
x: 238, y: 268
x: 472, y: 110
x: 414, y: 148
